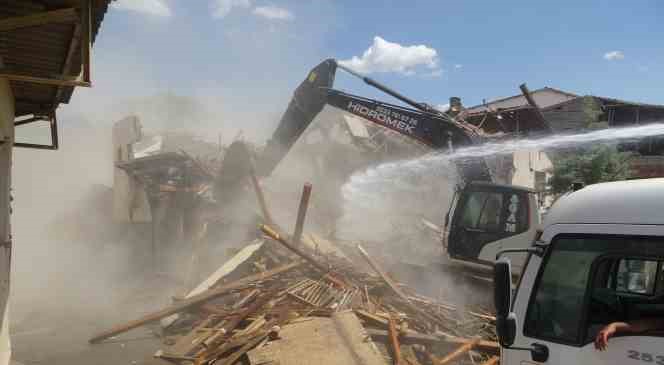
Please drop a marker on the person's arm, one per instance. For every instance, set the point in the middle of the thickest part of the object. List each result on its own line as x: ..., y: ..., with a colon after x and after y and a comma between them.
x: 642, y: 325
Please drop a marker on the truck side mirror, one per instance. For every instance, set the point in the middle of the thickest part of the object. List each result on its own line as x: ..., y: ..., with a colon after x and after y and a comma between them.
x: 502, y: 294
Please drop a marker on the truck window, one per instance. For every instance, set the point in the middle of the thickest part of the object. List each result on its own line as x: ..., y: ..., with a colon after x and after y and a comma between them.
x: 636, y: 276
x: 588, y: 282
x: 495, y: 211
x: 483, y: 210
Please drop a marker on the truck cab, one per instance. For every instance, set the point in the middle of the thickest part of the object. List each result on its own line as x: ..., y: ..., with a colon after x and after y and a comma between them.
x: 485, y: 218
x: 599, y: 259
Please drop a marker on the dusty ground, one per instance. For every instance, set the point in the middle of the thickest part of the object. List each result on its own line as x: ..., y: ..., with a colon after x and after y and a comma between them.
x: 61, y: 337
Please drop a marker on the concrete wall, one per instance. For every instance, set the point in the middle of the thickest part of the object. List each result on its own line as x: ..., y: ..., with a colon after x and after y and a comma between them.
x: 528, y: 164
x: 130, y: 203
x: 6, y: 144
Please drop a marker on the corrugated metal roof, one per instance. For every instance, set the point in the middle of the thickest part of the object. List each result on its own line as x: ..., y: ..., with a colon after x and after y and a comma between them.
x: 41, y: 51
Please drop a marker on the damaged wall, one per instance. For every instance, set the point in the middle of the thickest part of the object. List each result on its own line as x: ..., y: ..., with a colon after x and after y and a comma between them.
x: 130, y: 202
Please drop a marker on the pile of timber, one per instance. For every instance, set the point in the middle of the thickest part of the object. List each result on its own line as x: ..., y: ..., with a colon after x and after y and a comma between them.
x: 309, y: 303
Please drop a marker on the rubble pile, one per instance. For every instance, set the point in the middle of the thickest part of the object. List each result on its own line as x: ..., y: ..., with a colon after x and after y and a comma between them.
x: 290, y: 299
x: 276, y: 302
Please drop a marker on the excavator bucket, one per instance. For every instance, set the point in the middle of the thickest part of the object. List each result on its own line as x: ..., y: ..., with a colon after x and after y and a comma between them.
x: 308, y: 100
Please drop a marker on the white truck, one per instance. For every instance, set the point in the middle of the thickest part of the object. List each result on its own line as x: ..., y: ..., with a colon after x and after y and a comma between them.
x: 599, y: 258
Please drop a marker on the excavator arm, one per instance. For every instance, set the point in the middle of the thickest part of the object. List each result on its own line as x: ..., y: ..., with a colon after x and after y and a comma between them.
x: 423, y: 123
x: 509, y: 220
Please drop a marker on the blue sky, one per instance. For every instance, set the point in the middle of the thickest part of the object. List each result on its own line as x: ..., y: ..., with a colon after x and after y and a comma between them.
x: 245, y: 57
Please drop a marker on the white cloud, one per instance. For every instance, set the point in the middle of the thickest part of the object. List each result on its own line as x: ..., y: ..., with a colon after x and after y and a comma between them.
x: 384, y: 56
x: 273, y: 13
x: 614, y: 55
x: 442, y: 107
x: 458, y: 66
x: 151, y: 7
x: 221, y: 8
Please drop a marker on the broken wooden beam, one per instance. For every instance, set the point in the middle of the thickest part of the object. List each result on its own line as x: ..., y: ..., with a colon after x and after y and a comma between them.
x: 260, y: 196
x: 531, y: 101
x: 191, y: 302
x: 463, y: 349
x: 394, y: 341
x: 493, y: 360
x: 412, y: 337
x: 301, y: 213
x: 318, y: 266
x: 243, y: 350
x: 374, y: 265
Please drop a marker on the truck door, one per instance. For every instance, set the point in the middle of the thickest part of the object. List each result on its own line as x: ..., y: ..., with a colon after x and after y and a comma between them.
x: 586, y: 282
x: 486, y: 214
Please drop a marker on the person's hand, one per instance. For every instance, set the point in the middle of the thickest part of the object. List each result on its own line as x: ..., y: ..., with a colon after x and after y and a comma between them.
x: 602, y: 339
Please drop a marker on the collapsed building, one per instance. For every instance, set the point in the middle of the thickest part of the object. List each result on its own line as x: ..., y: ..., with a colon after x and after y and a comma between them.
x: 564, y: 113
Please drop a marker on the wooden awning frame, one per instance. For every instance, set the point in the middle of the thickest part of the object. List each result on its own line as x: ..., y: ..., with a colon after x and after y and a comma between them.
x: 81, y: 38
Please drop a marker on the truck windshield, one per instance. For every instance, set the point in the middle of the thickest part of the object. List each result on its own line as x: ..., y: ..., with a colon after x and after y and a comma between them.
x: 589, y: 281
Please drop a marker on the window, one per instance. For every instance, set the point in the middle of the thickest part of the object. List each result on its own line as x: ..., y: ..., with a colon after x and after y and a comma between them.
x: 588, y: 282
x: 483, y: 211
x: 636, y: 276
x: 495, y: 211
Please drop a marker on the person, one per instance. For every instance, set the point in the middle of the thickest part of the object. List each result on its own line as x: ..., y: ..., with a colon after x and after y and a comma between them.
x: 611, y: 329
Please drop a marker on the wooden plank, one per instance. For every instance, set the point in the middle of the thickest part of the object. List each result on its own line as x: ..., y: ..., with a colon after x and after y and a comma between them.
x: 86, y: 39
x: 383, y: 275
x: 412, y: 337
x: 409, y: 356
x: 187, y: 343
x: 66, y: 67
x: 536, y: 108
x: 457, y: 353
x: 218, y: 275
x: 374, y: 265
x: 67, y: 15
x: 380, y: 321
x: 243, y: 350
x: 260, y: 196
x: 301, y: 213
x: 493, y: 360
x: 232, y: 324
x: 394, y: 341
x: 45, y: 80
x: 318, y: 266
x: 190, y: 302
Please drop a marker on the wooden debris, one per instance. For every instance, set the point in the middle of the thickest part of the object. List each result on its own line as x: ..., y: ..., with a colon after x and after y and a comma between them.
x: 301, y: 213
x: 394, y: 342
x: 190, y: 302
x: 260, y: 196
x: 412, y: 337
x: 493, y: 360
x: 270, y: 232
x: 457, y: 353
x: 374, y: 265
x: 315, y: 315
